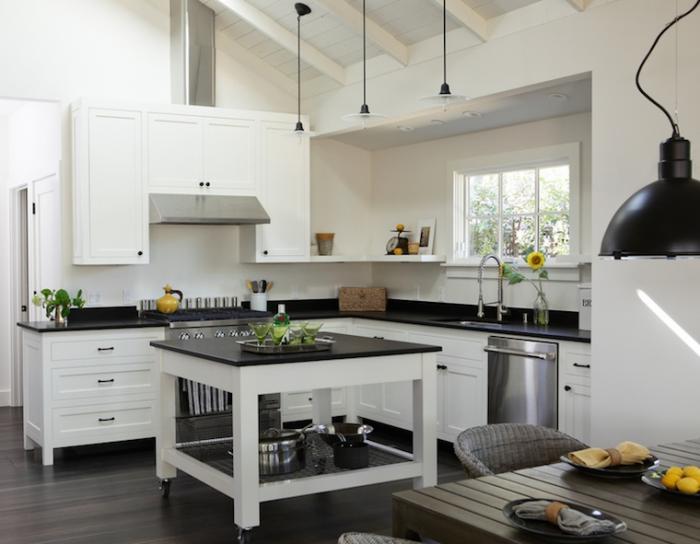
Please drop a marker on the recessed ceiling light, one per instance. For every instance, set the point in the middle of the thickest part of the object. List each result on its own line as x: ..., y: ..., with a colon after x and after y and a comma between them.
x: 558, y: 97
x: 472, y: 114
x: 404, y: 128
x: 437, y: 122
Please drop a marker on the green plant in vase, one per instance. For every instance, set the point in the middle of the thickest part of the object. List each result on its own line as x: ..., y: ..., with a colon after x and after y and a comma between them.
x: 535, y: 261
x: 58, y: 303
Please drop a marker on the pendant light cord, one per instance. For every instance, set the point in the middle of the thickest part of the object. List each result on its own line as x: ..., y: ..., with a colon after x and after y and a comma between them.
x: 299, y: 68
x: 444, y: 41
x: 674, y: 125
x: 364, y: 53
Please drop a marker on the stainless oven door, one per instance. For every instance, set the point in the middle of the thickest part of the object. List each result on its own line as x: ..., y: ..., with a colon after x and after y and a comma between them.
x: 522, y: 381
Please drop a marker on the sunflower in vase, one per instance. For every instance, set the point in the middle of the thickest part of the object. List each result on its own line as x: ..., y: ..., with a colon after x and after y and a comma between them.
x: 535, y: 261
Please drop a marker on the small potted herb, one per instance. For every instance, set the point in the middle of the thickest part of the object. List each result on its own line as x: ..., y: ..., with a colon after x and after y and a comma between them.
x: 58, y: 303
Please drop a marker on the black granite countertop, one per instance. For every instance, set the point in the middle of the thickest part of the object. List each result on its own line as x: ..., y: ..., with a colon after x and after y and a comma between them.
x: 228, y: 351
x: 95, y: 319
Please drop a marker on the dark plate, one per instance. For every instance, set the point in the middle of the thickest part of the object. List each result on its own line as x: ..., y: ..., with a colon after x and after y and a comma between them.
x: 656, y: 483
x: 552, y: 532
x: 622, y: 471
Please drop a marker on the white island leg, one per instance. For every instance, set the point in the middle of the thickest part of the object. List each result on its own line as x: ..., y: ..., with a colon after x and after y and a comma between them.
x: 166, y: 437
x: 424, y: 422
x: 246, y: 473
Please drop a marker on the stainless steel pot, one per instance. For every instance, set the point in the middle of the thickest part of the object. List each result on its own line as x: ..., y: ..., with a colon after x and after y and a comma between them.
x: 281, y: 452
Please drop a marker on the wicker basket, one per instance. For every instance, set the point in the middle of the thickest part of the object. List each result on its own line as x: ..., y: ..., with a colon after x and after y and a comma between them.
x: 362, y: 299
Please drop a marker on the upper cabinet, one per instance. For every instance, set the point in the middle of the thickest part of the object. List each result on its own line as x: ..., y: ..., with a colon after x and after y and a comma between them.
x: 121, y: 154
x: 110, y: 202
x: 201, y: 155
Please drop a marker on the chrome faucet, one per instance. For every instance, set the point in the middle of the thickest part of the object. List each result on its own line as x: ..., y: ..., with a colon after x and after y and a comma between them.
x: 501, y: 309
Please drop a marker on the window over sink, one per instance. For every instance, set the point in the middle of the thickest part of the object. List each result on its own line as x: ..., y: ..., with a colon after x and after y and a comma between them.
x: 517, y: 203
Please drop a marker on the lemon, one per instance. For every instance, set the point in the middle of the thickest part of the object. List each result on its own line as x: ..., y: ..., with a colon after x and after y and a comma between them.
x: 675, y: 470
x: 691, y: 471
x: 400, y: 227
x: 688, y: 486
x: 398, y: 251
x: 669, y: 481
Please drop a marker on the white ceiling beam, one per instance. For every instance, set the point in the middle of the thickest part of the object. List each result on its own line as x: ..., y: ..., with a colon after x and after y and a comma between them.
x: 285, y: 38
x: 579, y: 5
x: 468, y: 17
x: 352, y: 17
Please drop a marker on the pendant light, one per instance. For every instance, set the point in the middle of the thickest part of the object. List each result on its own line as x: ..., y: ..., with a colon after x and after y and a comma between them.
x: 445, y: 96
x: 301, y: 9
x: 661, y: 219
x: 364, y: 115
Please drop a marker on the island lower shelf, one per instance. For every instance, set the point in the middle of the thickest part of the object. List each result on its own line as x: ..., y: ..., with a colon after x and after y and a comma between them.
x: 212, y: 462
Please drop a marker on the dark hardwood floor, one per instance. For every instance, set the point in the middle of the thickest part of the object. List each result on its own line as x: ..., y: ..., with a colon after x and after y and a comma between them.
x: 109, y: 494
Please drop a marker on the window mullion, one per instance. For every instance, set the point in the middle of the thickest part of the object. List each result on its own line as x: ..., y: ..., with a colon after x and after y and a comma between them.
x: 537, y: 209
x: 499, y: 222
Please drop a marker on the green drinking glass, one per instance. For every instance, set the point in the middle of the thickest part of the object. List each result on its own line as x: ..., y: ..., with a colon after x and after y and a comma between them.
x: 311, y: 331
x: 296, y: 333
x: 278, y: 333
x: 260, y: 329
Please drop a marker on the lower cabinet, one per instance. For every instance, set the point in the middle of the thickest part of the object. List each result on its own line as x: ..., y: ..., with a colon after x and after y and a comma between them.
x: 575, y: 390
x: 462, y: 396
x: 89, y: 387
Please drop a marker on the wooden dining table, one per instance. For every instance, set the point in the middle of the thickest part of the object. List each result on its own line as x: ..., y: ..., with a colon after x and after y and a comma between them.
x: 470, y: 511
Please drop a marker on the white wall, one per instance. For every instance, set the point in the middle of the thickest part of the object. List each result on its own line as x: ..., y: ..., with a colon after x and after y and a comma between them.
x: 644, y: 377
x: 4, y: 266
x: 411, y: 183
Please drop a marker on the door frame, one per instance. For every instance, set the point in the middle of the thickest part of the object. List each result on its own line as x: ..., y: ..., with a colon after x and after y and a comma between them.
x: 16, y: 273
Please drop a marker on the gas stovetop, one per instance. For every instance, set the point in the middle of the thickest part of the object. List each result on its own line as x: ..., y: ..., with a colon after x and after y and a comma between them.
x: 209, y: 317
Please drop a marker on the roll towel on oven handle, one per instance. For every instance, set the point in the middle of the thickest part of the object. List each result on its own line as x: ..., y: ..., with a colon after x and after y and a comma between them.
x: 520, y: 353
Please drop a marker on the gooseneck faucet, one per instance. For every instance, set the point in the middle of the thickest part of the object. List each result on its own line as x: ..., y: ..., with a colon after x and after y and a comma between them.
x: 501, y: 309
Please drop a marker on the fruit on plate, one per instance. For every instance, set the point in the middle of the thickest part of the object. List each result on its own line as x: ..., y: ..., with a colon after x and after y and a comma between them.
x: 400, y: 227
x: 684, y: 480
x: 398, y: 251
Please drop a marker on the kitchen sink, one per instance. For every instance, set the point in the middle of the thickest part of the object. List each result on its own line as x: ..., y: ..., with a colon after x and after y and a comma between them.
x: 471, y: 322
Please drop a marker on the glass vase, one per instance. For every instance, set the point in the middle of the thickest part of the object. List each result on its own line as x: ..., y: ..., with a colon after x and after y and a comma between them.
x: 541, y: 310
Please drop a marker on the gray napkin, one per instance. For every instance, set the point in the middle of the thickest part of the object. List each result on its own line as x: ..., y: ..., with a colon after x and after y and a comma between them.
x: 569, y: 520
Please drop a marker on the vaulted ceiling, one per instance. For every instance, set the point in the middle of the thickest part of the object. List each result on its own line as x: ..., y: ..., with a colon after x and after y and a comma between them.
x: 332, y: 34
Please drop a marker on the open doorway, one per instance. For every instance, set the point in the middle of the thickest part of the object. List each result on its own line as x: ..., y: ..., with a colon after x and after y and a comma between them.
x: 31, y: 239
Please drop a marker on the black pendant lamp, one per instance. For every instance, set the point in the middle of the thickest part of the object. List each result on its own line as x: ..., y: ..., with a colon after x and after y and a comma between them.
x: 301, y: 9
x: 445, y: 96
x: 364, y: 115
x: 661, y: 219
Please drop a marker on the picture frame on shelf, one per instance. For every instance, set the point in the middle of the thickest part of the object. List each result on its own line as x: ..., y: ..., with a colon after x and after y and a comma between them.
x: 425, y: 236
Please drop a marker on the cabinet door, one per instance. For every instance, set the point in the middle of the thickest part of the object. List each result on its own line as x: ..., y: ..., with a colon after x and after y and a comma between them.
x: 284, y: 193
x: 175, y: 146
x: 575, y: 416
x: 462, y: 388
x: 117, y: 226
x: 229, y: 155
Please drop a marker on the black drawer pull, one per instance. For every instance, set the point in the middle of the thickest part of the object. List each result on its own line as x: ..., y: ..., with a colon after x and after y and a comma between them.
x: 442, y: 367
x: 106, y: 349
x: 379, y: 337
x: 579, y: 365
x: 105, y: 419
x: 111, y: 380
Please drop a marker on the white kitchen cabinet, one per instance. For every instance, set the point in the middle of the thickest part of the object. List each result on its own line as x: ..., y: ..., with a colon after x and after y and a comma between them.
x: 575, y: 390
x: 297, y: 406
x: 198, y: 154
x: 462, y: 396
x: 110, y: 203
x: 89, y: 387
x: 284, y: 192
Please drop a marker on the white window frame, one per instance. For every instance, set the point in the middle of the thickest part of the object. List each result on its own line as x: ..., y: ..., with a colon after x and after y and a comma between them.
x: 542, y: 157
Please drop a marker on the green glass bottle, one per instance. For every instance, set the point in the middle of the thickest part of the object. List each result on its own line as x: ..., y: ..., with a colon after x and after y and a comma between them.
x: 281, y: 317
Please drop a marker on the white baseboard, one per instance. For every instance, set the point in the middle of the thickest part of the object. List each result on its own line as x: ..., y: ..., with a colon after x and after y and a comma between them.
x: 5, y: 397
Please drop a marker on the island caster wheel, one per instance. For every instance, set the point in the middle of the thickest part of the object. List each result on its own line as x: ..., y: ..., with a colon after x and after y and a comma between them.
x: 245, y: 536
x: 165, y: 488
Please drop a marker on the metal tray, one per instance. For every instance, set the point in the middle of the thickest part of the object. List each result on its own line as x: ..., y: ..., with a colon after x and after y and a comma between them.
x: 268, y: 348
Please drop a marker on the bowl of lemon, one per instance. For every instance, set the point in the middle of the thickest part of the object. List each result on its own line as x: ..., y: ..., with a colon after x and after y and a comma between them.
x: 681, y: 481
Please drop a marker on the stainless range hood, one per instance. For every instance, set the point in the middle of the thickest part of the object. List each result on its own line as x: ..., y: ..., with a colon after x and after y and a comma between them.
x: 206, y: 210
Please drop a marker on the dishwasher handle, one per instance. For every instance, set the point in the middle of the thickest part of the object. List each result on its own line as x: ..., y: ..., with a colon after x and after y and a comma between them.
x: 520, y: 353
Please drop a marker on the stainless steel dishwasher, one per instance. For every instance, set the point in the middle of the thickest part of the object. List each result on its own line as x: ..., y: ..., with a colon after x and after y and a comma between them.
x: 522, y: 381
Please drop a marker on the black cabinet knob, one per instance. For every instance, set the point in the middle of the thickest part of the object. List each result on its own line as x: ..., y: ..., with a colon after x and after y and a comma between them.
x: 208, y: 184
x: 201, y: 184
x: 139, y: 253
x: 567, y: 388
x: 265, y: 252
x: 442, y: 367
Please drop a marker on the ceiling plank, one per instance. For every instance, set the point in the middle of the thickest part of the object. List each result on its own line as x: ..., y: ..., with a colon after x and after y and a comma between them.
x: 376, y: 34
x: 467, y: 17
x: 285, y: 38
x: 579, y: 5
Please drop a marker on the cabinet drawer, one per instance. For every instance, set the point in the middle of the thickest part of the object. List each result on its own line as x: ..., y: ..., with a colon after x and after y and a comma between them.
x: 103, y: 423
x: 103, y: 381
x: 577, y: 364
x: 101, y: 348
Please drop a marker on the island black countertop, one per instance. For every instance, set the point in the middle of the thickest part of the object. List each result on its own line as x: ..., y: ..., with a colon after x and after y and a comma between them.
x: 229, y: 352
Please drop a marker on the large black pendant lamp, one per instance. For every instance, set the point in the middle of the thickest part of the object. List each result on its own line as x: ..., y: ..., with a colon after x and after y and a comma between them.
x: 663, y: 218
x: 364, y: 114
x: 301, y: 9
x: 445, y: 96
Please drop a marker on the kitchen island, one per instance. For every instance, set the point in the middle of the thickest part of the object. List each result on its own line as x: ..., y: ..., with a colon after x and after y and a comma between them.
x: 352, y: 361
